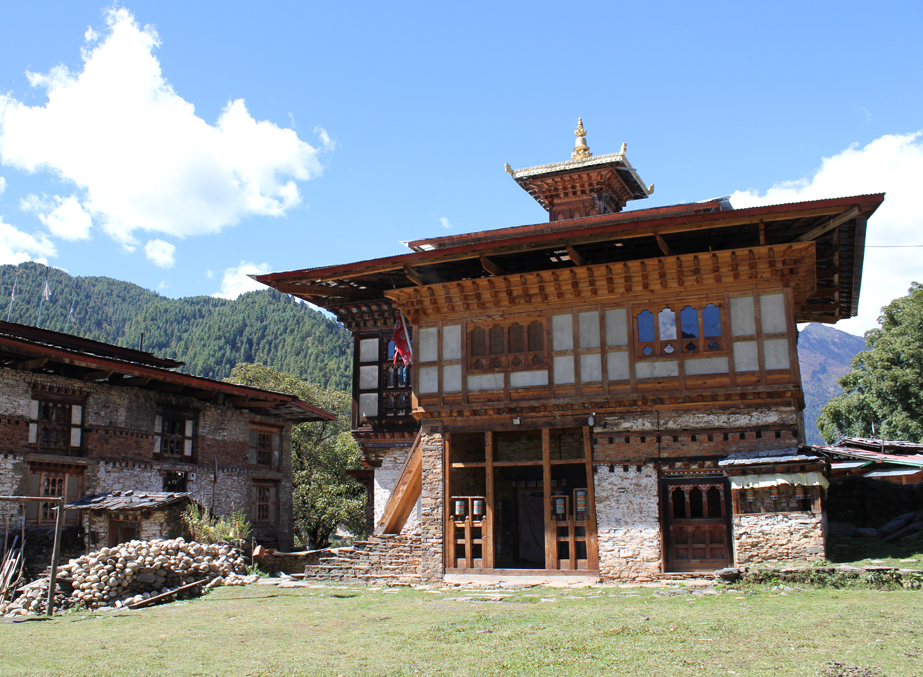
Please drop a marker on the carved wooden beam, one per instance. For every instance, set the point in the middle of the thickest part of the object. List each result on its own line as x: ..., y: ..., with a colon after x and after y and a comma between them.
x: 414, y: 276
x: 29, y: 365
x: 97, y: 375
x: 491, y: 267
x: 576, y: 256
x: 664, y: 247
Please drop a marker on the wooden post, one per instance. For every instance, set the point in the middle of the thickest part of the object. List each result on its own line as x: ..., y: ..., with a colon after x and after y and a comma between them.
x: 487, y: 526
x: 551, y: 549
x: 592, y: 546
x: 447, y: 503
x: 55, y: 550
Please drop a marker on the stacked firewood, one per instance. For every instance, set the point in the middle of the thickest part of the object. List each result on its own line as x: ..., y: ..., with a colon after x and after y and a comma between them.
x: 133, y: 574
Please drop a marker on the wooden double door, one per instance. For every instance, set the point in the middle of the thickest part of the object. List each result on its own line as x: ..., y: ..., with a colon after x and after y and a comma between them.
x: 696, y: 523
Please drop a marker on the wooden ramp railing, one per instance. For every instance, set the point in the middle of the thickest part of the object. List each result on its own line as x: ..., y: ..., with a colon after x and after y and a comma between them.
x: 406, y: 491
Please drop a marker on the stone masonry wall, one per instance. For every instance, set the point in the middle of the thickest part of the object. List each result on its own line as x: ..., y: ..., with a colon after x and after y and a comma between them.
x: 432, y: 565
x: 683, y: 434
x: 386, y: 477
x: 785, y: 536
x: 118, y: 444
x: 12, y: 483
x: 628, y: 523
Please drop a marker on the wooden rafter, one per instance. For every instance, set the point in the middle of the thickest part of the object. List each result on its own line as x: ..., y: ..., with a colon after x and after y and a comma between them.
x: 829, y: 225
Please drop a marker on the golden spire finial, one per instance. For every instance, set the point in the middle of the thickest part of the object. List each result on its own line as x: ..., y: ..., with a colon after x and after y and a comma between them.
x: 581, y: 150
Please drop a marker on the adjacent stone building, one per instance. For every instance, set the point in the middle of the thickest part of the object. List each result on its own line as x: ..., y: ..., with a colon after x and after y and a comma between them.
x: 612, y: 393
x: 83, y: 418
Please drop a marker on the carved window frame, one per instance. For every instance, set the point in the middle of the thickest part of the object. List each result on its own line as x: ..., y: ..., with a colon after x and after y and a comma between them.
x: 679, y: 347
x: 492, y: 346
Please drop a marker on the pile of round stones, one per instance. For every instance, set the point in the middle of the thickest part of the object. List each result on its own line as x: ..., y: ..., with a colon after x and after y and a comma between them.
x: 133, y: 572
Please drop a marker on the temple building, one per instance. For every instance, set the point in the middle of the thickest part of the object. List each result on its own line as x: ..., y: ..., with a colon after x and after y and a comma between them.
x: 614, y: 393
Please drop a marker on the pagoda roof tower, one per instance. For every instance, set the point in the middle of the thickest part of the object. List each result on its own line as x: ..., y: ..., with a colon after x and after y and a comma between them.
x: 585, y: 185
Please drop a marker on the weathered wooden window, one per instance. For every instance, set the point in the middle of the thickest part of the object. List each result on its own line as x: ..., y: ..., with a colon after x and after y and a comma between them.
x: 509, y: 346
x: 122, y: 531
x: 381, y: 378
x: 265, y: 446
x: 174, y: 435
x: 265, y: 498
x: 53, y: 480
x: 56, y: 426
x: 174, y: 482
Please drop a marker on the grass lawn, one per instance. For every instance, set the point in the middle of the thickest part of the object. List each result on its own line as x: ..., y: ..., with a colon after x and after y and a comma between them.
x: 266, y: 630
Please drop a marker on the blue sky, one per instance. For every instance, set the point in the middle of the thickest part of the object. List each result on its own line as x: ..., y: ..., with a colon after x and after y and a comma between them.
x: 178, y: 146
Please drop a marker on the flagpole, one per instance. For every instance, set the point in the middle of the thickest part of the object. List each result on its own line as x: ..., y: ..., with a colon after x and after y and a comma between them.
x: 41, y: 305
x: 71, y: 312
x: 13, y: 294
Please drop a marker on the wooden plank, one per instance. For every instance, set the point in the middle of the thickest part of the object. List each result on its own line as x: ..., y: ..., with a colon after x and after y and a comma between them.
x: 551, y: 540
x: 406, y: 491
x: 758, y: 317
x: 592, y: 543
x: 157, y: 598
x: 487, y: 526
x: 575, y: 256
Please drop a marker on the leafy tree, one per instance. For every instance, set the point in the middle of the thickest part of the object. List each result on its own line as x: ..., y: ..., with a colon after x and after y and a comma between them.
x: 883, y: 394
x: 324, y: 494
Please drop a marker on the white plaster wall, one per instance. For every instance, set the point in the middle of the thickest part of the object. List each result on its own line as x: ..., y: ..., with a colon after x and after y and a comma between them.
x: 11, y: 484
x: 628, y: 524
x: 647, y: 422
x: 386, y: 477
x: 15, y: 393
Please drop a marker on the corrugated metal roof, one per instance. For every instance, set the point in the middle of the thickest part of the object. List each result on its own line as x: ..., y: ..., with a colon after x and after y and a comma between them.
x: 893, y: 473
x: 129, y: 500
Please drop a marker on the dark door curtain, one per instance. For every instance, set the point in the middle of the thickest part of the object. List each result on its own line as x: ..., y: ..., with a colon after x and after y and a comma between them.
x: 532, y: 528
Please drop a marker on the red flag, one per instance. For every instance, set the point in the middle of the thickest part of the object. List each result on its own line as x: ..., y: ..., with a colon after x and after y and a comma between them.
x: 402, y: 340
x: 216, y: 469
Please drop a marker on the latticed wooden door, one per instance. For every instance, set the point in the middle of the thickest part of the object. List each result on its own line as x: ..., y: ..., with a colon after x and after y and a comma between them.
x: 696, y: 523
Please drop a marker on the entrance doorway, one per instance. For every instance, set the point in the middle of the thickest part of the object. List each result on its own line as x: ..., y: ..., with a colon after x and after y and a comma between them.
x: 520, y: 502
x: 697, y: 523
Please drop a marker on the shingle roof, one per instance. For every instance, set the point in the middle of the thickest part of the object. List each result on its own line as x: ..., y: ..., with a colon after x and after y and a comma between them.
x: 762, y: 456
x: 128, y: 500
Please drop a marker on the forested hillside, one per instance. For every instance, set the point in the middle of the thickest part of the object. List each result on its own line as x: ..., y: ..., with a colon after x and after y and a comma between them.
x: 209, y: 334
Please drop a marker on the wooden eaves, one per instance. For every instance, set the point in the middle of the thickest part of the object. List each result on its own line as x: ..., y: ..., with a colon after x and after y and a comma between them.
x: 836, y: 226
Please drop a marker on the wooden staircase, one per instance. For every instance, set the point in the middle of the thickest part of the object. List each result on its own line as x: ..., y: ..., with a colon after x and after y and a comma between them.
x: 405, y: 493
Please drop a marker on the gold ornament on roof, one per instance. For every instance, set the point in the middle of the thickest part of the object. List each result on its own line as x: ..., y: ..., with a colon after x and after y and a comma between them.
x: 581, y: 150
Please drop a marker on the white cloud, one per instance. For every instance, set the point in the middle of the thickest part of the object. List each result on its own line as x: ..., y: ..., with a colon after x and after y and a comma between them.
x: 17, y: 246
x: 64, y: 216
x: 2, y: 185
x: 140, y: 157
x: 236, y: 281
x: 160, y: 252
x: 892, y: 164
x: 209, y: 274
x: 445, y: 222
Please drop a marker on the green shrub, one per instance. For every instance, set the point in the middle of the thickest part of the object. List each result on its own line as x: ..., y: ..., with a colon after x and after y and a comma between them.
x: 206, y: 528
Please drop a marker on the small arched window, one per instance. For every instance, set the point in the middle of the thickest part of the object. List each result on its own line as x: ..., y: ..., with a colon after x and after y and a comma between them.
x: 689, y: 322
x: 696, y: 503
x: 713, y: 497
x: 678, y: 498
x: 711, y: 321
x: 666, y: 319
x: 645, y: 326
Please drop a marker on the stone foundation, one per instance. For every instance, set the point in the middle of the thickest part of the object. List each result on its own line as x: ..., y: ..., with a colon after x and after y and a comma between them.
x: 627, y: 523
x: 781, y: 536
x: 384, y: 560
x: 432, y: 560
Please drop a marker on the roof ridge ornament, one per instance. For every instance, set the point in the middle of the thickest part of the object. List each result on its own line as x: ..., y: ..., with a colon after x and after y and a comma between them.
x: 581, y: 150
